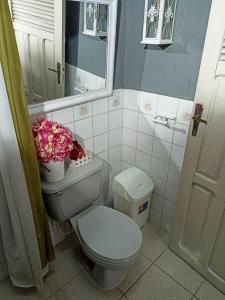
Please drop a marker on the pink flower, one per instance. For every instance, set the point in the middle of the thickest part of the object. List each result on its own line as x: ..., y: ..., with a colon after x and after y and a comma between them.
x: 52, y: 140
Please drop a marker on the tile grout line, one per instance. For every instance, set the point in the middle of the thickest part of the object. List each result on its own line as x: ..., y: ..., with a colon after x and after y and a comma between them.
x: 190, y: 292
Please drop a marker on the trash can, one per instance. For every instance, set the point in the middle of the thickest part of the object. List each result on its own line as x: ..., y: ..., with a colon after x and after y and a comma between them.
x: 132, y: 190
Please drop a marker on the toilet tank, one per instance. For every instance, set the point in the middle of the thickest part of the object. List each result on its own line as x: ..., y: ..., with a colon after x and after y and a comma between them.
x: 78, y: 190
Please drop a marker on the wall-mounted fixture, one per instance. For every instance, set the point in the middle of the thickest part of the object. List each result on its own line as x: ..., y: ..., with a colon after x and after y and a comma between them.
x: 159, y: 18
x: 95, y: 19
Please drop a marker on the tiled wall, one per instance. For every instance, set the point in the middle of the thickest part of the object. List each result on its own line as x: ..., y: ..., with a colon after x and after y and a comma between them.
x: 155, y: 148
x: 120, y: 129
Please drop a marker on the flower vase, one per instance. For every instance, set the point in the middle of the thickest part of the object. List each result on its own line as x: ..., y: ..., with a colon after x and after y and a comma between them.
x: 53, y: 171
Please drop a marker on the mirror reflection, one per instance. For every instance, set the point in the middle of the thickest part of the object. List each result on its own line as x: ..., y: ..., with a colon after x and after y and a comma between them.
x: 62, y: 47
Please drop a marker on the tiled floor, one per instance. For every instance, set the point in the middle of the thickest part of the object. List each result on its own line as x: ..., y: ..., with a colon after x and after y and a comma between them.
x: 158, y: 274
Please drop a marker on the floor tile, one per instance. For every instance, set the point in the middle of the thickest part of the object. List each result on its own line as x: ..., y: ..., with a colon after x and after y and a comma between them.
x: 65, y: 266
x: 208, y: 292
x: 135, y: 272
x: 180, y: 271
x: 157, y: 285
x: 82, y: 288
x: 154, y: 241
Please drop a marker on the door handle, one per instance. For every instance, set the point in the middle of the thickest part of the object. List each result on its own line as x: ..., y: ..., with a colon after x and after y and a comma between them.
x: 197, y: 118
x: 57, y: 71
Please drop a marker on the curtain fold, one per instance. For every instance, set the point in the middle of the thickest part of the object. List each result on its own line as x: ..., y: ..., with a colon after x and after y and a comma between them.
x: 12, y: 73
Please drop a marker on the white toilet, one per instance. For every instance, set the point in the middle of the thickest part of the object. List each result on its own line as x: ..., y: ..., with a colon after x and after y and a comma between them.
x: 110, y: 240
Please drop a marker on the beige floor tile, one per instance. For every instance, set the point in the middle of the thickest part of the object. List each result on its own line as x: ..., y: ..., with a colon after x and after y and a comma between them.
x: 64, y: 267
x: 81, y: 288
x: 155, y: 241
x: 157, y: 285
x: 208, y: 292
x: 180, y: 271
x: 135, y: 272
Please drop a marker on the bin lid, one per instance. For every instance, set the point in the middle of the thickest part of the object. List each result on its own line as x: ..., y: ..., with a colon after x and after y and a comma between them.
x: 133, y: 182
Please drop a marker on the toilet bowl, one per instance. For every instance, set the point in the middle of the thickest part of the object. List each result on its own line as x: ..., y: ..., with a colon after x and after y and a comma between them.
x: 110, y: 240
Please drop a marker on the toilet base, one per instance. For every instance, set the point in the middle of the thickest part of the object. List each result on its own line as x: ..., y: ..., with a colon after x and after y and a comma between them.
x: 102, y: 277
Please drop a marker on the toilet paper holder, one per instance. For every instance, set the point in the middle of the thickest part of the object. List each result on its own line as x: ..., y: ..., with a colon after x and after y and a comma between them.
x: 163, y: 119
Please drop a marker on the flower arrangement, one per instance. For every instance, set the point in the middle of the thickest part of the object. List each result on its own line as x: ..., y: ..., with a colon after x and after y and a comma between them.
x: 53, y: 142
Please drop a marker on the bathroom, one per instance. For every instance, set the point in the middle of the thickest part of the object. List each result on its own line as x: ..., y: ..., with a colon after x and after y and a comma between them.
x: 136, y: 209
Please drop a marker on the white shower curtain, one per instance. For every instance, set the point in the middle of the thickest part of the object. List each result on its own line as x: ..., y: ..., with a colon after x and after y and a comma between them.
x: 16, y: 221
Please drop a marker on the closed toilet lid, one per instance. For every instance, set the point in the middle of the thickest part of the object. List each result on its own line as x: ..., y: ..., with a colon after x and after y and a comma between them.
x: 110, y: 234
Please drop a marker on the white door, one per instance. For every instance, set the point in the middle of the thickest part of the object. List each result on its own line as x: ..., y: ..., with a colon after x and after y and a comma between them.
x: 40, y: 29
x: 199, y: 230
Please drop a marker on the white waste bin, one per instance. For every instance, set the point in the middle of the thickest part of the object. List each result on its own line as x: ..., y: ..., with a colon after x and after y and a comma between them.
x: 132, y: 190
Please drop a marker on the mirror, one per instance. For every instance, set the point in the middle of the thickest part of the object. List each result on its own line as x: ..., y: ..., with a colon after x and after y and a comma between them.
x: 66, y: 49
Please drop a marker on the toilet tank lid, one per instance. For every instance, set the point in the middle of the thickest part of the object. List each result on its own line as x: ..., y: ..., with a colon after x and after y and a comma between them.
x: 132, y: 182
x: 73, y: 175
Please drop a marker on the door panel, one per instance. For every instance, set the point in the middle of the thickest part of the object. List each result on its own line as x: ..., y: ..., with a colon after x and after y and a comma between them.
x: 217, y: 260
x: 197, y: 211
x: 213, y: 145
x: 39, y: 30
x: 199, y: 223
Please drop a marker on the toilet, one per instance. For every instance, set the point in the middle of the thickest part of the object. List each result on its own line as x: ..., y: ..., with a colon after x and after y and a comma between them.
x: 111, y: 241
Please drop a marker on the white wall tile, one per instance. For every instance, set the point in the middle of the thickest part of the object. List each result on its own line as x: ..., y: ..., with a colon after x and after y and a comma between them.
x: 145, y: 124
x: 63, y: 116
x: 71, y: 128
x: 129, y: 137
x: 155, y: 217
x: 115, y: 119
x: 143, y: 161
x: 128, y: 154
x: 177, y: 155
x: 167, y: 224
x: 84, y: 128
x: 125, y: 165
x: 115, y: 137
x: 101, y: 143
x: 105, y: 175
x: 167, y: 106
x: 130, y: 100
x: 159, y: 168
x: 115, y: 154
x: 115, y: 168
x: 144, y: 143
x: 164, y: 133
x: 100, y: 106
x: 157, y: 202
x: 180, y: 134
x: 83, y: 111
x: 105, y: 157
x: 159, y: 185
x: 130, y: 119
x: 174, y: 174
x: 100, y: 124
x: 148, y: 103
x: 88, y: 144
x: 162, y: 149
x: 184, y: 111
x: 171, y: 192
x: 116, y: 100
x: 168, y: 209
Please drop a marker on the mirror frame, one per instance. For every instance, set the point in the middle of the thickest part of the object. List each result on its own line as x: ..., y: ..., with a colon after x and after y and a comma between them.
x: 60, y: 103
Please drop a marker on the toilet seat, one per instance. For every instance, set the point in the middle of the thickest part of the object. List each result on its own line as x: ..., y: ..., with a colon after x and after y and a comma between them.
x: 109, y: 236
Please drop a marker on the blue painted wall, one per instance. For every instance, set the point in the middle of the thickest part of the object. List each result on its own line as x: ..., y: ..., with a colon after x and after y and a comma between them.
x: 83, y: 51
x: 172, y: 71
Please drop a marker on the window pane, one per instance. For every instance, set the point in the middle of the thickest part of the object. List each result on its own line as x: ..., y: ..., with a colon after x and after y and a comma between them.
x: 90, y: 16
x: 152, y: 18
x: 102, y: 18
x: 168, y: 19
